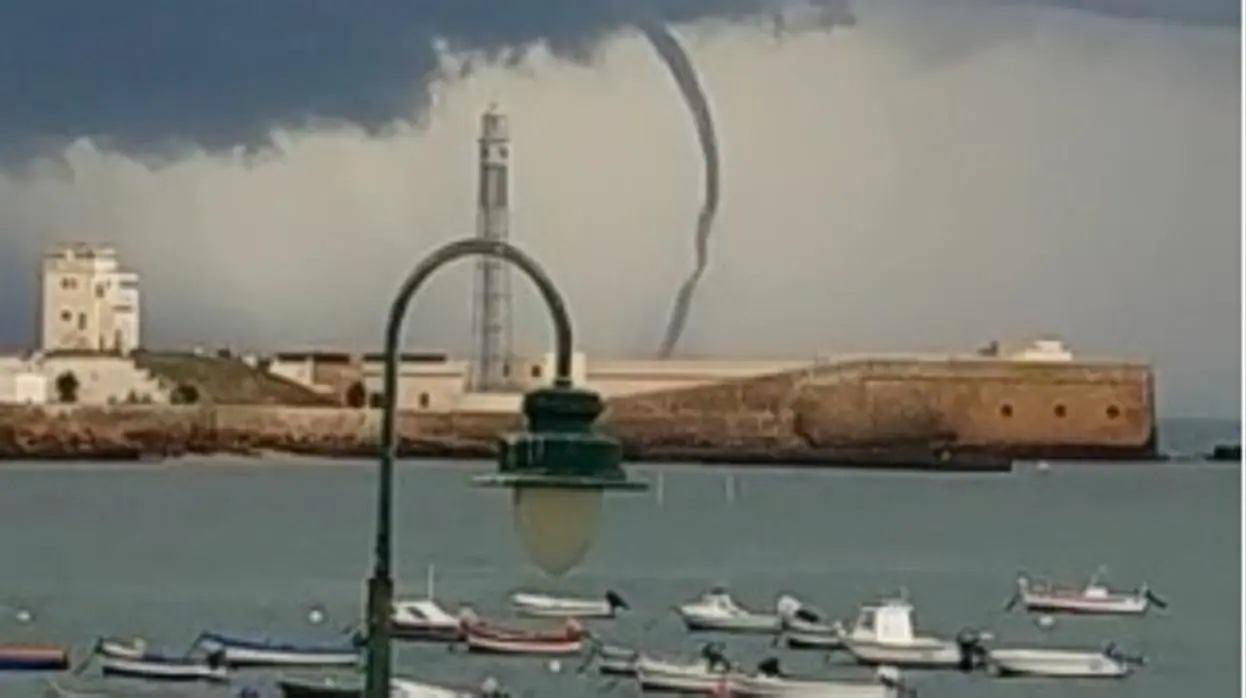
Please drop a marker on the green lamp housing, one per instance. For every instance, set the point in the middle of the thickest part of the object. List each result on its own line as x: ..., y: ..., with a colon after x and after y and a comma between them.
x: 558, y: 469
x: 559, y: 446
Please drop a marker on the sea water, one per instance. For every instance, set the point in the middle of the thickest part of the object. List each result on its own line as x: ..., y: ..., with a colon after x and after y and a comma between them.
x: 253, y: 547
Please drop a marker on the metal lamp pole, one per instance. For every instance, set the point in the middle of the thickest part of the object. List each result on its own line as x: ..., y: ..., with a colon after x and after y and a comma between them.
x: 559, y: 417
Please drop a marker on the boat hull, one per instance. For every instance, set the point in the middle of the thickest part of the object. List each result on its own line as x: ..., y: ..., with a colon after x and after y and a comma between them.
x: 778, y: 687
x: 813, y: 641
x: 422, y: 632
x: 538, y: 606
x: 1055, y: 664
x: 745, y: 623
x: 241, y: 654
x: 155, y: 670
x: 677, y: 677
x: 1114, y: 606
x: 33, y: 658
x: 547, y: 648
x: 931, y: 655
x: 292, y: 688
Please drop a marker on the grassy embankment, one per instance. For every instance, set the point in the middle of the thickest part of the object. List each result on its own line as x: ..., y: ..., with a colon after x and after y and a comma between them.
x: 224, y: 380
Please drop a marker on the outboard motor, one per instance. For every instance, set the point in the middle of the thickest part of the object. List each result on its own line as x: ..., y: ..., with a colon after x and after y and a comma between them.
x: 715, y: 657
x: 972, y: 653
x: 616, y: 601
x: 1114, y: 652
x: 216, y: 659
x: 770, y: 667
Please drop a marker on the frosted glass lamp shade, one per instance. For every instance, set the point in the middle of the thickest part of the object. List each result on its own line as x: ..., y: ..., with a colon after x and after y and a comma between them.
x: 556, y: 526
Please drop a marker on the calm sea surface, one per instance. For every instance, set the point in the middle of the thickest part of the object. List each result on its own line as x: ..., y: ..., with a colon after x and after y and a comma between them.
x: 163, y: 551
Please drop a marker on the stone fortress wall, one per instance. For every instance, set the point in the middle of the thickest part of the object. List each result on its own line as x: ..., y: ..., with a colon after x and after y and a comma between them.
x: 1019, y: 409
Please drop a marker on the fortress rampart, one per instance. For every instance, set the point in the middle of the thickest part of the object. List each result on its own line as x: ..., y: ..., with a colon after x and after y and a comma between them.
x: 1007, y: 408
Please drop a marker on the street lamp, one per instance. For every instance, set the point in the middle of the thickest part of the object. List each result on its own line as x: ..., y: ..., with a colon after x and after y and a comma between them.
x: 557, y: 467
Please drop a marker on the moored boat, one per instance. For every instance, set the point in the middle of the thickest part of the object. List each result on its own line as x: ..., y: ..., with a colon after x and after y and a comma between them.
x: 702, y: 675
x: 239, y: 652
x: 132, y: 659
x: 424, y: 620
x: 493, y: 639
x: 398, y: 688
x: 770, y: 681
x: 884, y: 634
x: 715, y: 610
x: 157, y: 668
x: 802, y: 628
x: 21, y: 656
x: 1109, y: 663
x: 545, y: 606
x: 1092, y: 598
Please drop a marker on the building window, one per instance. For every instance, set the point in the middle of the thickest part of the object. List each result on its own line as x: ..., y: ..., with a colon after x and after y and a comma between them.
x: 82, y: 321
x: 1113, y: 412
x: 66, y: 316
x: 536, y: 371
x: 1005, y: 410
x: 424, y: 400
x: 1059, y: 410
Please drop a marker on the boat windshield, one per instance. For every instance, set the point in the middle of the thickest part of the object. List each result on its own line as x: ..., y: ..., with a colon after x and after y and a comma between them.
x: 865, y: 621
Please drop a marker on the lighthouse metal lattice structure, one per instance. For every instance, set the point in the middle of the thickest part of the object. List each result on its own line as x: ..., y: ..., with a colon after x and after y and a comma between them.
x: 491, y: 307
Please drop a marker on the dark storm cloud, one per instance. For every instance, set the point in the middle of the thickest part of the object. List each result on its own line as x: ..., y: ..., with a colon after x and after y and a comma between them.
x: 220, y: 72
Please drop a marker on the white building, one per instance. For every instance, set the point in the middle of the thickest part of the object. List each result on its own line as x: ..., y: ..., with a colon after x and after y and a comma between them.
x: 89, y: 302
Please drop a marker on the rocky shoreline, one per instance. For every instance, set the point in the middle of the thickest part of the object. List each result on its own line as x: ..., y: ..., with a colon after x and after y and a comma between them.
x: 758, y: 438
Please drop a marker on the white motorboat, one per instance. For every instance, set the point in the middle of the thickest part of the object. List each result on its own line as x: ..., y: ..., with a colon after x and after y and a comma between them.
x: 1109, y: 663
x: 715, y: 610
x: 770, y: 682
x: 678, y: 677
x: 544, y: 606
x: 424, y: 620
x: 884, y: 635
x: 802, y: 628
x: 702, y: 675
x: 1093, y: 598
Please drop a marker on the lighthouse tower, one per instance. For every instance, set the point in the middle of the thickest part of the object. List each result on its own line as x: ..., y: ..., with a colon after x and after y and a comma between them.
x: 491, y: 307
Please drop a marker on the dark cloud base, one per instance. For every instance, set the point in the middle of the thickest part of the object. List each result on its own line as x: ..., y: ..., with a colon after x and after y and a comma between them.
x: 147, y: 74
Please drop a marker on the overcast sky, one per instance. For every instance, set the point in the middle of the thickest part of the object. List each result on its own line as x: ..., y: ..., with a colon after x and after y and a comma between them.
x: 896, y: 175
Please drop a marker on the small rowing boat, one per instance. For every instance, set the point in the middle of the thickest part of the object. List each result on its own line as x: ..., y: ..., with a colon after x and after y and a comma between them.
x: 493, y: 639
x: 239, y: 652
x: 131, y: 659
x: 1092, y: 598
